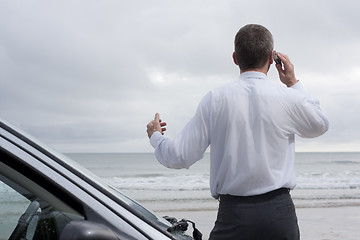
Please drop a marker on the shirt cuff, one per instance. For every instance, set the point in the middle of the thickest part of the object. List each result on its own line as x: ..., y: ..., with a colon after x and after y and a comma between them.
x: 155, y: 139
x: 298, y: 86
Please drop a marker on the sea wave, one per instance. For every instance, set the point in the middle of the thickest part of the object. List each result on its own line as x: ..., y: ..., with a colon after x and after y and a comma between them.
x: 162, y: 182
x: 329, y: 180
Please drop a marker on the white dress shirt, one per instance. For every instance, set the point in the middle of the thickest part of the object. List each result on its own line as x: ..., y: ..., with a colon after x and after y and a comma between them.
x: 250, y: 125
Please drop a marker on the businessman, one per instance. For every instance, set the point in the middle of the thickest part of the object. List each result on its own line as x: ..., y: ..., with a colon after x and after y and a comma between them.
x: 251, y: 125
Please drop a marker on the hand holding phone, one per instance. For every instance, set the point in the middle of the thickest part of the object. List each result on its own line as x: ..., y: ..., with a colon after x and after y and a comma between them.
x: 276, y: 58
x: 285, y: 69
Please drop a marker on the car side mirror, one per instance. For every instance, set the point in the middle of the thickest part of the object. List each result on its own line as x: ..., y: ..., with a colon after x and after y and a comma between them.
x: 88, y: 230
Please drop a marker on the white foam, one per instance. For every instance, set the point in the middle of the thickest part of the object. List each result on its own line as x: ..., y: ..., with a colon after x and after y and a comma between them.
x: 163, y: 182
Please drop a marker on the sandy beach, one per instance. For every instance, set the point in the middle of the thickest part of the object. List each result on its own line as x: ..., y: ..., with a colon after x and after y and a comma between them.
x: 336, y: 223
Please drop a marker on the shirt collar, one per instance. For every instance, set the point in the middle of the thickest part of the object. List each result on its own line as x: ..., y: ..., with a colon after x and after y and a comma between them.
x: 253, y: 75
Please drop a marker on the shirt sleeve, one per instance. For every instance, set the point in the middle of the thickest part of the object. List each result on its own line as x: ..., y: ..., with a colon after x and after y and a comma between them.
x: 309, y: 120
x: 189, y: 145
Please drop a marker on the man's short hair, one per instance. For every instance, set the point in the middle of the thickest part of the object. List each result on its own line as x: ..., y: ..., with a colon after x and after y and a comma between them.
x: 253, y: 46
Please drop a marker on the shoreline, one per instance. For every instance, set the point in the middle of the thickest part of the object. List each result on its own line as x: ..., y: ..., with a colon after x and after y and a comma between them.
x: 321, y: 223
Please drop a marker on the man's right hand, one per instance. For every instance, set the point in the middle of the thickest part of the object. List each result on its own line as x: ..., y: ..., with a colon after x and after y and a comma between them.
x: 156, y: 125
x: 286, y: 74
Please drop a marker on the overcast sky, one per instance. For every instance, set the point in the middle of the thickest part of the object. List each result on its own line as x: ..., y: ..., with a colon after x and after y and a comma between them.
x: 87, y: 76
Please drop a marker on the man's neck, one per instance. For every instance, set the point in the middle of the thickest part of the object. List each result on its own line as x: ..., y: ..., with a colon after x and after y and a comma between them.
x: 264, y: 69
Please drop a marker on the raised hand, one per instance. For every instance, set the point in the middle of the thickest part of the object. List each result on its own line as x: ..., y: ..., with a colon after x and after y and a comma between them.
x: 156, y: 125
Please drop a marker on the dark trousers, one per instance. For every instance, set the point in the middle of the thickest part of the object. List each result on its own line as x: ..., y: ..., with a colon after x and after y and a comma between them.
x: 270, y: 216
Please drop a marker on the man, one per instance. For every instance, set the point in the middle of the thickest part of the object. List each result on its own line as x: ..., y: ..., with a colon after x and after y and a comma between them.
x: 250, y: 125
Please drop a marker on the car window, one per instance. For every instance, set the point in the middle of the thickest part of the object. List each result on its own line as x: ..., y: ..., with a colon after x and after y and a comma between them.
x: 27, y: 211
x: 12, y: 204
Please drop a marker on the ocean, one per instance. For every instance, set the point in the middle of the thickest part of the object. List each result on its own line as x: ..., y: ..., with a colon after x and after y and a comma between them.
x: 323, y: 180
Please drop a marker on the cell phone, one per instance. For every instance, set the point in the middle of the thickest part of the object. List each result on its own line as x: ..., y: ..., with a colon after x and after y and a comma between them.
x: 276, y: 59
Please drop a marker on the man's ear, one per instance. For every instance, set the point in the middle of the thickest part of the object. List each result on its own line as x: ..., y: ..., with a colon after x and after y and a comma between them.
x: 234, y: 58
x: 271, y: 59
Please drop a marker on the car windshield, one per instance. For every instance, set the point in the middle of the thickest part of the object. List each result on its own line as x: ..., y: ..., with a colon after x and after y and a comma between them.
x: 115, y: 192
x: 90, y: 177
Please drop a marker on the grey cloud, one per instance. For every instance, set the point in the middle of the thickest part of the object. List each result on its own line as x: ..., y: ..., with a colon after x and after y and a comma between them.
x: 82, y: 71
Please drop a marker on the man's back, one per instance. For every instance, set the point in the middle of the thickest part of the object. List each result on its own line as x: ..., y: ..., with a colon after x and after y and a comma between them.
x: 252, y: 136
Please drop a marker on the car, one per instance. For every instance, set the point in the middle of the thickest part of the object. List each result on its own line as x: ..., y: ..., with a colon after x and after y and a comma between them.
x: 46, y: 195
